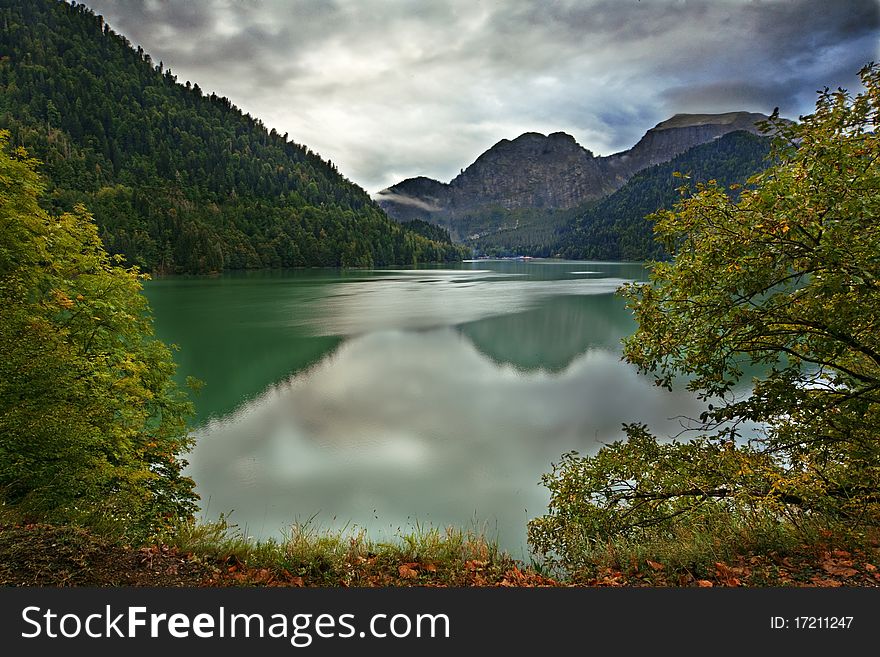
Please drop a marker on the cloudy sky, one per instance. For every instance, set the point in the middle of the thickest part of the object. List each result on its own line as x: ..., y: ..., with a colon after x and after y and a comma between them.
x: 389, y: 89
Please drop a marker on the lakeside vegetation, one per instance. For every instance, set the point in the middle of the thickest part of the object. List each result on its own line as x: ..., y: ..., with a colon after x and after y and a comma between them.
x: 220, y: 555
x: 783, y: 277
x: 94, y: 429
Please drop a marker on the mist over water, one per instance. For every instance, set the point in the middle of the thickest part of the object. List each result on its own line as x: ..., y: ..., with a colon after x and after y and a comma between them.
x: 386, y: 399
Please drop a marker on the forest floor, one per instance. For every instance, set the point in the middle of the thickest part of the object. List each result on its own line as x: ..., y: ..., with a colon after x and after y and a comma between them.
x: 48, y: 555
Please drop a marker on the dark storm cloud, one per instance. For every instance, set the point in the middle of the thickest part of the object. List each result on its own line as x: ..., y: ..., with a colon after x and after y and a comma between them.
x: 389, y: 89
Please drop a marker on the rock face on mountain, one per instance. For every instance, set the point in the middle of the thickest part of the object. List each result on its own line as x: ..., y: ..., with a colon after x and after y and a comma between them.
x: 553, y: 171
x: 674, y: 136
x: 530, y: 171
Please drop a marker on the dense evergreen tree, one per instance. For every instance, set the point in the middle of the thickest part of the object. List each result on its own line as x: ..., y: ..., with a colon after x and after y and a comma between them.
x: 429, y: 230
x: 178, y: 181
x: 616, y: 228
x: 524, y: 231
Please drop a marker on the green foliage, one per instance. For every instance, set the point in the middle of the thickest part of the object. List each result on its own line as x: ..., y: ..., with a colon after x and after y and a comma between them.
x: 329, y: 557
x: 179, y: 181
x: 429, y: 230
x: 783, y: 279
x: 92, y: 424
x: 523, y: 231
x: 616, y: 229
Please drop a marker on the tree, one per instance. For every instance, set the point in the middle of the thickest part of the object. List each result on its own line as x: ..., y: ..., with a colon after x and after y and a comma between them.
x: 107, y: 118
x: 784, y: 281
x: 92, y: 425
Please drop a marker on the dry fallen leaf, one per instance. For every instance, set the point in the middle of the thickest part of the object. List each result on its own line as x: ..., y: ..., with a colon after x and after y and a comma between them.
x: 655, y: 565
x: 839, y: 570
x: 704, y: 583
x: 818, y: 580
x: 406, y: 572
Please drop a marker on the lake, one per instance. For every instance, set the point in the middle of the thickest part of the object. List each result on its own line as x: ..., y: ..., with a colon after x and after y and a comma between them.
x: 394, y: 399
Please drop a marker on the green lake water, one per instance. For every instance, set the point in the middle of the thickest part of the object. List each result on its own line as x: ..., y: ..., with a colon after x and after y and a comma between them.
x: 390, y: 399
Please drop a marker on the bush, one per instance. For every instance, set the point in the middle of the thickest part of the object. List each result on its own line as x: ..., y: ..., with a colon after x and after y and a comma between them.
x: 91, y: 421
x: 786, y: 280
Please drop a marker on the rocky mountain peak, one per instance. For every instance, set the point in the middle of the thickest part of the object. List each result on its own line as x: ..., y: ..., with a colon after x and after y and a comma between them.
x: 553, y: 171
x: 735, y: 120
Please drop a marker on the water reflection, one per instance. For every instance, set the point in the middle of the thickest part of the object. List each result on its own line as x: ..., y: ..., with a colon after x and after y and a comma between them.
x: 429, y: 299
x: 404, y: 426
x: 553, y: 333
x: 388, y: 398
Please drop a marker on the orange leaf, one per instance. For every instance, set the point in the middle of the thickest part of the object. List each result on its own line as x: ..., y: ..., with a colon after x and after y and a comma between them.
x: 406, y: 572
x: 839, y: 570
x: 655, y: 565
x: 704, y: 583
x: 818, y: 580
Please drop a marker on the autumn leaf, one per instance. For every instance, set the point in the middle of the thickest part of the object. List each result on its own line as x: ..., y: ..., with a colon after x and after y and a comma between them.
x: 704, y: 583
x: 406, y: 571
x: 655, y: 565
x: 839, y: 569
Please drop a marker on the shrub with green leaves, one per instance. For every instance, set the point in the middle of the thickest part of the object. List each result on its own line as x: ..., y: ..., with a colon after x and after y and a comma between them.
x: 783, y: 279
x: 92, y: 425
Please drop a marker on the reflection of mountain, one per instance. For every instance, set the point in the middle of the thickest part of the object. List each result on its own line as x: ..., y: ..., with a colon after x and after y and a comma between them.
x: 551, y: 335
x: 255, y: 362
x: 400, y: 426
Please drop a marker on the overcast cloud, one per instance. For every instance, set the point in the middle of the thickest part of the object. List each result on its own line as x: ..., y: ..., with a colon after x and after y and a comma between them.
x: 389, y: 89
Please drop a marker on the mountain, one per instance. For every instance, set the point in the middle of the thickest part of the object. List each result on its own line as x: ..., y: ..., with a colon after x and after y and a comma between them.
x: 529, y: 180
x: 675, y: 136
x: 178, y: 180
x: 616, y: 228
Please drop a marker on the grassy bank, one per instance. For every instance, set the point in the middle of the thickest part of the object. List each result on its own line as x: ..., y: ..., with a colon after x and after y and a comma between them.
x: 218, y: 554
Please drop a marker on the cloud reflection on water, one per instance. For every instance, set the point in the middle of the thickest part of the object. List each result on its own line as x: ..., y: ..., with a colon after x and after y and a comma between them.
x: 399, y: 426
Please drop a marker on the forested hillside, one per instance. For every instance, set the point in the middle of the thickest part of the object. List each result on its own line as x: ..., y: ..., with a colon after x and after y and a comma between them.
x: 616, y: 228
x: 178, y: 180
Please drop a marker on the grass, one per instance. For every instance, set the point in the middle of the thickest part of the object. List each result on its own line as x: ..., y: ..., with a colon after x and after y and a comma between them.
x: 347, y: 557
x: 738, y: 550
x: 215, y: 554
